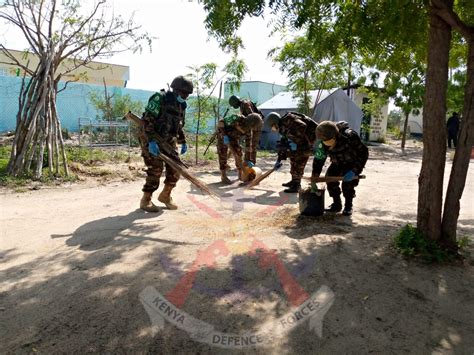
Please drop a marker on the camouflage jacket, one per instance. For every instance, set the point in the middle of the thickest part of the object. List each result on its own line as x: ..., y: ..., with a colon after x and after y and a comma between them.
x: 247, y: 107
x: 298, y: 128
x: 164, y: 117
x: 228, y: 126
x: 348, y: 152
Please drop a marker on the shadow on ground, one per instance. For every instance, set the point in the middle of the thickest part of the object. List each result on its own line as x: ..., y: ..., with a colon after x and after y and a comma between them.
x: 382, y: 303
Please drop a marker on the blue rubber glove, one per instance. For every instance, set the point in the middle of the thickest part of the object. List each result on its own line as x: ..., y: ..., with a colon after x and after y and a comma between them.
x: 349, y: 176
x: 277, y: 165
x: 226, y: 140
x: 184, y: 148
x: 153, y: 148
x: 250, y: 164
x: 293, y: 146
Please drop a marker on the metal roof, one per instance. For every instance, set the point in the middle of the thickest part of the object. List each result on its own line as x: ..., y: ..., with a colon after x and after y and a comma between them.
x: 287, y: 100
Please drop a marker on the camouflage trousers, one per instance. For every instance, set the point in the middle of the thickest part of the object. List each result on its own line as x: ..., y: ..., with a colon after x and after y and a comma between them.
x: 251, y: 143
x: 223, y: 150
x: 155, y: 167
x: 298, y: 160
x: 348, y: 188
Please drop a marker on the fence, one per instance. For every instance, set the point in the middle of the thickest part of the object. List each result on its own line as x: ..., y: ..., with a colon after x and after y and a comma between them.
x: 74, y: 102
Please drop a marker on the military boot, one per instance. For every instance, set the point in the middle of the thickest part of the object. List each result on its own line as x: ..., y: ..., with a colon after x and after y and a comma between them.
x: 347, y: 207
x: 293, y: 188
x: 224, y: 177
x: 336, y: 206
x: 165, y: 197
x: 288, y: 184
x: 146, y: 204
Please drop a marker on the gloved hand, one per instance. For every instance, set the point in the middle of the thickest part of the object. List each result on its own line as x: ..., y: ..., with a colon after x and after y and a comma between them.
x: 184, y: 148
x: 153, y: 148
x: 226, y: 140
x: 277, y: 165
x: 349, y: 176
x: 293, y: 146
x: 250, y: 164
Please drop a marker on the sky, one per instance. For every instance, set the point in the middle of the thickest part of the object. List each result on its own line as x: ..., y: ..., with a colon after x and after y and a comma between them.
x: 181, y: 40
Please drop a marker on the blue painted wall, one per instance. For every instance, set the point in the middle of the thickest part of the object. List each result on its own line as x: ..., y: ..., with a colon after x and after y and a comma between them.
x: 72, y: 104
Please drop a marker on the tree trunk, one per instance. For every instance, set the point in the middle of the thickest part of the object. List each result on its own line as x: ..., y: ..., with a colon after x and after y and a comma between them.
x: 430, y: 181
x: 404, y: 135
x: 38, y: 130
x: 197, y: 131
x: 457, y: 179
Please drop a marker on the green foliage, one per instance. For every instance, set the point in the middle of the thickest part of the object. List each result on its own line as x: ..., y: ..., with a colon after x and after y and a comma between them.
x: 411, y: 243
x: 394, y: 119
x: 314, y: 65
x: 407, y: 90
x: 85, y: 155
x: 235, y: 70
x: 115, y: 105
x: 395, y: 131
x: 19, y: 182
x: 455, y: 95
x: 376, y: 100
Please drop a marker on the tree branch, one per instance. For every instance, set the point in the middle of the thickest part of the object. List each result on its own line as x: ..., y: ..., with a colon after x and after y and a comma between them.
x: 451, y: 18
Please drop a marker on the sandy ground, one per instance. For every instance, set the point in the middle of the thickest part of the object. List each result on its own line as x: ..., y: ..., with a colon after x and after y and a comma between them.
x: 74, y: 261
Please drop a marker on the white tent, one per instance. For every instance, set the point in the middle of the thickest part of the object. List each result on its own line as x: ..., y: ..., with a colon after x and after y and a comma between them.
x: 339, y: 107
x: 332, y: 105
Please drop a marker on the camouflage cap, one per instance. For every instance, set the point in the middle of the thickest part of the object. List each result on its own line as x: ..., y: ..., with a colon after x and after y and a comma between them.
x: 180, y: 83
x: 253, y: 121
x: 326, y: 130
x: 234, y: 101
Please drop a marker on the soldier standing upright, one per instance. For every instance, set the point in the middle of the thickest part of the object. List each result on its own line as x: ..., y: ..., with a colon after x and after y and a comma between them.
x: 163, y: 125
x: 348, y: 157
x: 229, y: 132
x: 252, y: 137
x: 298, y: 134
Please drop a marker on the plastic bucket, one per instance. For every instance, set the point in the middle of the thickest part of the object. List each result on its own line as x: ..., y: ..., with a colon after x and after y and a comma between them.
x: 311, y: 202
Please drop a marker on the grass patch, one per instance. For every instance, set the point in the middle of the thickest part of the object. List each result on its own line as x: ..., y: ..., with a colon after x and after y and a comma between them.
x: 410, y: 242
x: 85, y: 155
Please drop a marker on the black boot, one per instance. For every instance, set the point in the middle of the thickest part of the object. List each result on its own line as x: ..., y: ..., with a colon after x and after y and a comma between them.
x: 293, y: 188
x: 347, y: 207
x: 336, y: 205
x: 287, y: 184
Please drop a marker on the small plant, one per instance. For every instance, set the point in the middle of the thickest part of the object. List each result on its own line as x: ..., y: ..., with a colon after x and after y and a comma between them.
x: 381, y: 139
x: 411, y: 243
x: 395, y: 131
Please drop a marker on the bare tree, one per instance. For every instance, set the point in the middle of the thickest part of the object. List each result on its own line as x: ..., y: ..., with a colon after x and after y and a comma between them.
x: 64, y: 37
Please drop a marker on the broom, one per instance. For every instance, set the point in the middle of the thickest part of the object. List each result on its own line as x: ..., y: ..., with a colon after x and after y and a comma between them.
x: 257, y: 180
x: 177, y: 164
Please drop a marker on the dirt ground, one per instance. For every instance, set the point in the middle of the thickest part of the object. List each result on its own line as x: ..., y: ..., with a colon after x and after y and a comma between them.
x: 84, y: 270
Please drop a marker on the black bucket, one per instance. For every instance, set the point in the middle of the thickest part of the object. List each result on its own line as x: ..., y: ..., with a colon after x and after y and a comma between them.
x: 311, y: 202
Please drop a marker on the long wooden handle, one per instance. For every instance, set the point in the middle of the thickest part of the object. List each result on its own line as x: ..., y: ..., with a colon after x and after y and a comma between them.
x: 164, y: 145
x: 330, y: 178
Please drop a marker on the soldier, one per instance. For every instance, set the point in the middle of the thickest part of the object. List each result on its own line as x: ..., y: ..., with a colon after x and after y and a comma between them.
x: 348, y: 157
x: 252, y: 137
x: 163, y: 125
x: 229, y: 132
x: 298, y: 133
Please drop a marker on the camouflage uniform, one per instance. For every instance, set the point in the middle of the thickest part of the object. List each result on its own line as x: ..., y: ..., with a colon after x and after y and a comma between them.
x: 252, y: 136
x: 228, y: 127
x: 299, y: 129
x: 164, y: 118
x: 349, y: 153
